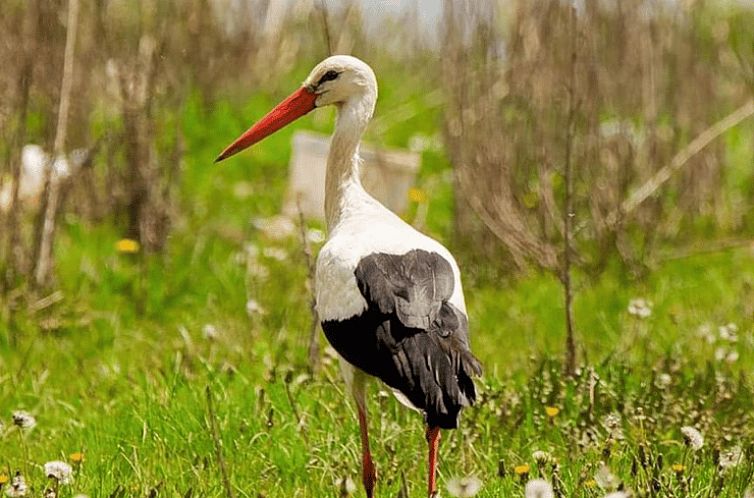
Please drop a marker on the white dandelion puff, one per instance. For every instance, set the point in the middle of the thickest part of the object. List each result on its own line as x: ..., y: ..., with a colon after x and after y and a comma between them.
x: 692, y: 437
x: 728, y: 332
x: 663, y: 380
x: 346, y: 486
x: 605, y: 478
x: 254, y: 308
x: 24, y: 420
x: 209, y: 332
x: 618, y: 494
x: 538, y: 488
x: 640, y: 308
x: 612, y: 423
x: 315, y: 236
x: 464, y: 487
x: 60, y: 471
x: 275, y: 253
x: 18, y: 487
x: 731, y: 457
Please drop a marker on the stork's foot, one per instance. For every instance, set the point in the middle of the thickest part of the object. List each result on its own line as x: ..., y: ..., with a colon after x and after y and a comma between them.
x: 368, y: 474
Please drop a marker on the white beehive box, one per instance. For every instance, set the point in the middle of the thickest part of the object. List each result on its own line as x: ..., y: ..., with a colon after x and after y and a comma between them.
x: 387, y: 174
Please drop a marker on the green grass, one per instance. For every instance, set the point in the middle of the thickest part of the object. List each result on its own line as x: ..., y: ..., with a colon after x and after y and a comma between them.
x: 120, y: 366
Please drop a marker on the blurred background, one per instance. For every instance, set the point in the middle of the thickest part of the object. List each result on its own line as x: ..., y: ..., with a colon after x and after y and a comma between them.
x: 646, y: 105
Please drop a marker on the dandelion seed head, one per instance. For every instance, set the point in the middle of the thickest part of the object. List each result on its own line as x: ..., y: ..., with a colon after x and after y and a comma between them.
x: 60, y: 471
x: 254, y: 308
x: 346, y: 486
x: 692, y: 437
x: 618, y: 494
x: 18, y: 487
x: 538, y: 488
x: 315, y: 236
x: 640, y: 308
x: 24, y: 420
x: 209, y: 332
x: 731, y: 457
x: 464, y: 487
x: 275, y: 253
x: 663, y: 380
x: 606, y: 479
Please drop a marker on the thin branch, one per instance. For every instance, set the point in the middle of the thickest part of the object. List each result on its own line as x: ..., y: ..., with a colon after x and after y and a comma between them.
x: 679, y: 160
x: 568, y: 214
x: 310, y: 271
x: 218, y: 444
x: 44, y: 262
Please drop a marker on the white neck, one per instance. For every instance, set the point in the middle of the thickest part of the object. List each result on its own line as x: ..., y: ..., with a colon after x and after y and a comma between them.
x: 343, y: 160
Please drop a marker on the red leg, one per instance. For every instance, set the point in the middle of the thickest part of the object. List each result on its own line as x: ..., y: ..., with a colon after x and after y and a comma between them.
x: 368, y: 472
x: 433, y: 441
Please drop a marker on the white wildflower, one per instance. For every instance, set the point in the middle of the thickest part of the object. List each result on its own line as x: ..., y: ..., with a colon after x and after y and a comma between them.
x: 732, y: 357
x: 18, y: 487
x: 728, y: 332
x: 640, y: 308
x: 275, y: 253
x: 731, y: 457
x: 663, y: 380
x: 60, y: 471
x: 612, y: 423
x: 538, y: 488
x: 346, y: 486
x: 692, y: 437
x: 705, y: 332
x: 209, y: 332
x: 618, y: 494
x: 605, y: 479
x: 749, y: 493
x: 315, y: 236
x: 254, y: 308
x: 464, y: 487
x: 24, y: 420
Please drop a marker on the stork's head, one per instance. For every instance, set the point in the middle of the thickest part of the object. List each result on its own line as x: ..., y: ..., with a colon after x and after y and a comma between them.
x: 337, y: 80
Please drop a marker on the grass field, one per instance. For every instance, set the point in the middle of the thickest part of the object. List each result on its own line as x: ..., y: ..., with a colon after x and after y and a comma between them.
x: 119, y: 364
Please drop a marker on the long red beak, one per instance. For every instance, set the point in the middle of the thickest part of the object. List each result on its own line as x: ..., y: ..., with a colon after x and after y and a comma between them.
x: 293, y: 107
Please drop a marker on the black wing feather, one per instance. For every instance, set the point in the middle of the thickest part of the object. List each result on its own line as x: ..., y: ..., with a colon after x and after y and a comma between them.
x: 410, y: 336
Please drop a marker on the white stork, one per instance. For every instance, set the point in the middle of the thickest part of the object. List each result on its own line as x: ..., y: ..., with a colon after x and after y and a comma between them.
x: 389, y: 297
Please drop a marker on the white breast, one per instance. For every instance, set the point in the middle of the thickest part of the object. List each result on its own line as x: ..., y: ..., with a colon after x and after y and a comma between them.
x: 366, y: 228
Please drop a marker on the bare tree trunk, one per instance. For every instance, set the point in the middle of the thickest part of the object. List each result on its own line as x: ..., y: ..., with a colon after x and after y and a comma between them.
x: 47, y: 235
x: 568, y: 214
x: 13, y: 249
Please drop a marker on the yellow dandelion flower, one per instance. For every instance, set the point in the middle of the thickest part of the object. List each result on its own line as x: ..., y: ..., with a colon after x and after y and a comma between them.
x: 3, y: 479
x: 417, y: 195
x: 127, y: 246
x: 521, y: 469
x: 77, y: 457
x: 552, y: 411
x: 590, y: 483
x: 678, y: 468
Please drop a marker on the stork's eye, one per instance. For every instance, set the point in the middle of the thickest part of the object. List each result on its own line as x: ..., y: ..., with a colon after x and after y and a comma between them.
x: 328, y: 76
